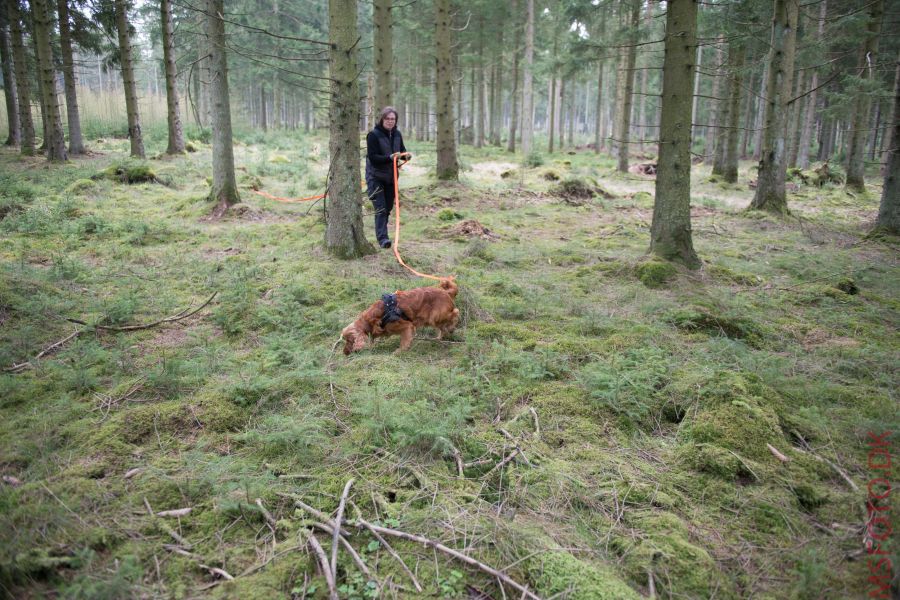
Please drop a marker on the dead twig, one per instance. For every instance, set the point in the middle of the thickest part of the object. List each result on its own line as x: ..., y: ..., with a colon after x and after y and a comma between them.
x: 172, y: 533
x: 337, y: 528
x: 537, y: 424
x: 348, y: 547
x: 503, y: 462
x: 776, y: 453
x: 374, y: 530
x: 184, y: 314
x: 323, y: 563
x: 526, y: 593
x: 178, y: 512
x: 836, y: 468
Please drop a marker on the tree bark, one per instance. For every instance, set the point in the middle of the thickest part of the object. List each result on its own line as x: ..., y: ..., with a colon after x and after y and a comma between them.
x: 76, y: 141
x: 729, y: 166
x: 812, y: 99
x: 384, y: 54
x: 552, y: 122
x: 224, y: 192
x: 23, y: 88
x: 889, y: 212
x: 670, y: 232
x: 795, y: 117
x: 513, y: 97
x: 173, y: 112
x: 9, y: 81
x: 528, y: 81
x: 715, y: 115
x: 628, y: 93
x: 497, y: 94
x: 859, y: 124
x: 56, y: 138
x: 479, y: 88
x: 447, y: 164
x: 770, y: 191
x: 344, y: 235
x: 263, y: 113
x: 131, y: 97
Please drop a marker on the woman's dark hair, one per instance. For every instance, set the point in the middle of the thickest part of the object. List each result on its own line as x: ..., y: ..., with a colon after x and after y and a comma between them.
x: 385, y: 112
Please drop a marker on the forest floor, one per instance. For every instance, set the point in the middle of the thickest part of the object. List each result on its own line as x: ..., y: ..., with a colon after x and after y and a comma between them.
x: 647, y: 402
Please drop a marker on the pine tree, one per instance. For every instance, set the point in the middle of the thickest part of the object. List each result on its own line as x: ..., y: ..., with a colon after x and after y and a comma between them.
x: 670, y: 231
x: 55, y: 139
x: 76, y: 141
x: 173, y: 113
x: 123, y: 28
x: 21, y: 70
x: 447, y: 163
x: 344, y: 235
x: 9, y: 80
x: 224, y: 190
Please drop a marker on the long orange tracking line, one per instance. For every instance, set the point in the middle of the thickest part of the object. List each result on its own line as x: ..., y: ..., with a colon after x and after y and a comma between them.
x: 406, y: 158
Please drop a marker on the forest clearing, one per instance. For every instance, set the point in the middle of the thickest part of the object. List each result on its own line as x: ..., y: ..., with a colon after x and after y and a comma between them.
x: 659, y: 360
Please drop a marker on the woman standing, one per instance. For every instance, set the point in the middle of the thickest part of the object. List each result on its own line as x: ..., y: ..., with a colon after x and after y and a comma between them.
x: 382, y: 143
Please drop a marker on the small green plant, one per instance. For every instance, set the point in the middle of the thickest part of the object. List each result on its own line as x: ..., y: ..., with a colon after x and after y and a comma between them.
x: 448, y: 214
x: 453, y: 585
x: 533, y: 159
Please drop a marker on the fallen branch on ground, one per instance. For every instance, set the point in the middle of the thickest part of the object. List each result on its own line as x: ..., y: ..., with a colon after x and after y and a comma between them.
x: 323, y: 564
x: 184, y: 314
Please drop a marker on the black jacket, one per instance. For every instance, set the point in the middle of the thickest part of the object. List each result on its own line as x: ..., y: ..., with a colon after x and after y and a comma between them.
x: 380, y: 144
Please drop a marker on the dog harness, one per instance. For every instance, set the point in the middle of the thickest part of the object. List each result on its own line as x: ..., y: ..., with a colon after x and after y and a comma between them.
x: 392, y: 312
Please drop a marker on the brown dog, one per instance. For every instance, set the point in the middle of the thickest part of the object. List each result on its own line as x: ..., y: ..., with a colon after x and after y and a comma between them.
x: 401, y: 313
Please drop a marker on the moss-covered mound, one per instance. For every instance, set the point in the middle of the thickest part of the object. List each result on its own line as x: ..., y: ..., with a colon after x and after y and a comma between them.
x: 128, y: 172
x: 655, y: 273
x: 557, y: 572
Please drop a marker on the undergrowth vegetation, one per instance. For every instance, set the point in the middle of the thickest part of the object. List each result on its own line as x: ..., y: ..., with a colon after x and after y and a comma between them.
x: 643, y: 401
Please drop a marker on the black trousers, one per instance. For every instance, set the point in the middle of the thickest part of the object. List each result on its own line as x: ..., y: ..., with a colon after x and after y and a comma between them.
x: 382, y: 196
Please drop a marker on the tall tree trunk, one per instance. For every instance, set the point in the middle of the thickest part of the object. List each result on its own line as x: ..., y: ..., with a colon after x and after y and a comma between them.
x: 479, y: 88
x: 598, y: 117
x: 447, y: 164
x: 712, y: 127
x: 859, y: 125
x: 76, y: 142
x: 628, y: 93
x: 497, y: 95
x: 811, y: 100
x: 572, y: 113
x: 224, y: 191
x: 131, y: 97
x: 9, y: 80
x: 263, y: 114
x: 888, y: 141
x: 552, y: 123
x: 795, y: 118
x: 749, y: 103
x: 40, y: 85
x: 344, y: 235
x: 729, y: 166
x: 173, y: 113
x: 770, y: 192
x: 384, y: 54
x: 23, y: 88
x: 889, y: 212
x: 760, y: 111
x: 670, y: 232
x: 513, y: 97
x: 528, y: 81
x: 56, y: 137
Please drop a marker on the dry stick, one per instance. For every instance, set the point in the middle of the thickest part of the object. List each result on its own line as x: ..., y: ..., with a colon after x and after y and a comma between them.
x: 515, y: 444
x: 384, y: 542
x: 776, y: 453
x: 18, y: 367
x: 337, y: 528
x: 270, y: 520
x: 348, y: 547
x: 837, y: 469
x: 172, y: 533
x: 323, y: 563
x: 313, y: 511
x: 217, y: 571
x: 56, y: 345
x: 537, y: 424
x: 178, y: 512
x: 503, y: 462
x: 376, y: 529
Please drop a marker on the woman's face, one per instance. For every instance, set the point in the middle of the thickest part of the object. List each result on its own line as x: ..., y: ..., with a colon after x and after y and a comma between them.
x: 389, y: 121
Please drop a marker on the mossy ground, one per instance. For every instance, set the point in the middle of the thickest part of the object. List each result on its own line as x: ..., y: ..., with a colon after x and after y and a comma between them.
x: 655, y: 404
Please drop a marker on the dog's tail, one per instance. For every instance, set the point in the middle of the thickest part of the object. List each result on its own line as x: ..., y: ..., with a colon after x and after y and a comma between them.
x: 449, y: 284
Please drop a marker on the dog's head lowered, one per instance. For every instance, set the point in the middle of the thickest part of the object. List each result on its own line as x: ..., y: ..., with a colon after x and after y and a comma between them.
x: 355, y: 337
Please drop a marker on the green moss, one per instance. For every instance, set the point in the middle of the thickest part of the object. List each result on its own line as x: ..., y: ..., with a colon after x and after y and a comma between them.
x: 680, y: 567
x: 550, y: 175
x: 128, y: 172
x: 80, y: 186
x: 725, y: 274
x: 712, y: 459
x: 554, y: 572
x: 704, y: 319
x: 655, y: 273
x: 279, y: 159
x: 448, y: 214
x: 191, y: 146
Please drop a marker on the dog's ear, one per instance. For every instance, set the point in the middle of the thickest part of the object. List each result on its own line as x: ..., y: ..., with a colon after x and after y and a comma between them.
x: 354, y: 338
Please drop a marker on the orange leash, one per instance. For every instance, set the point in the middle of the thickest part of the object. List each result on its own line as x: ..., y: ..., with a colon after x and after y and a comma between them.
x: 282, y: 199
x: 292, y: 200
x: 396, y: 244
